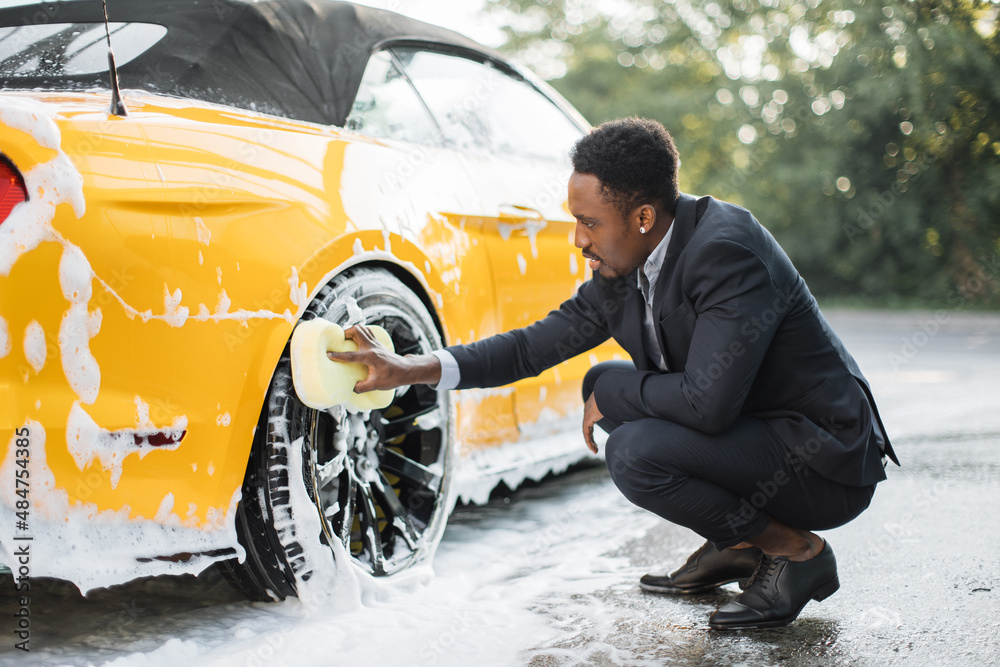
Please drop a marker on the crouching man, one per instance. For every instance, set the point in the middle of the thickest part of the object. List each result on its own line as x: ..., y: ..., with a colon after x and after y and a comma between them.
x: 741, y: 415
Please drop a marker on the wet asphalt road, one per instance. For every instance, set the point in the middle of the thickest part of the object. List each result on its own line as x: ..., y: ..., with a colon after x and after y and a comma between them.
x: 919, y: 569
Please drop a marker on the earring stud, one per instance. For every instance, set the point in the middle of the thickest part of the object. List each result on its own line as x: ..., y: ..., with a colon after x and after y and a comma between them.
x: 642, y: 230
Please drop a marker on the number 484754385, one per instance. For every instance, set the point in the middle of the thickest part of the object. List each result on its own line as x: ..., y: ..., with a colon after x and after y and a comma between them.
x: 21, y: 473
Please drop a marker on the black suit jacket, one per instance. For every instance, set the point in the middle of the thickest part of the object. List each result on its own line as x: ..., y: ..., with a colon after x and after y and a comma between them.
x: 741, y: 334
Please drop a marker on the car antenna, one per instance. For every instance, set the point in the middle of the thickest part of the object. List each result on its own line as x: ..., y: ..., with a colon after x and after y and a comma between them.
x: 117, y: 104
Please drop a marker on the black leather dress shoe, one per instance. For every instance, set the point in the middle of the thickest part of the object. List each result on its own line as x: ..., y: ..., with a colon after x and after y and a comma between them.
x: 777, y: 592
x: 705, y: 569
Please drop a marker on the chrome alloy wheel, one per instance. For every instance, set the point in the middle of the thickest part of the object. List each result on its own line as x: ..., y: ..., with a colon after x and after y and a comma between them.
x: 378, y: 480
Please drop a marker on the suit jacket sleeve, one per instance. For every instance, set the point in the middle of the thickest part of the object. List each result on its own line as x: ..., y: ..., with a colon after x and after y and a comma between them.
x: 579, y: 324
x: 732, y: 294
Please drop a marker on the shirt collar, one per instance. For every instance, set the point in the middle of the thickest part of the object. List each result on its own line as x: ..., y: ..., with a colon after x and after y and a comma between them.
x: 651, y: 269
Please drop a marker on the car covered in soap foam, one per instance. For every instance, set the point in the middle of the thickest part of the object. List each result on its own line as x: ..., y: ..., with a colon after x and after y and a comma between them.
x: 273, y: 162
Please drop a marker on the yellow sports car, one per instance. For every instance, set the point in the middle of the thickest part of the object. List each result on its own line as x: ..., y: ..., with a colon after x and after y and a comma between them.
x: 265, y: 163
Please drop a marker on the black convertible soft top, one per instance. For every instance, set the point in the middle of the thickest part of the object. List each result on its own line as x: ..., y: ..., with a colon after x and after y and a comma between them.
x: 301, y: 59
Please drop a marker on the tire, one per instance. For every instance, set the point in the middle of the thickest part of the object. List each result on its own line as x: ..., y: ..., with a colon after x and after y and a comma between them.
x: 378, y: 481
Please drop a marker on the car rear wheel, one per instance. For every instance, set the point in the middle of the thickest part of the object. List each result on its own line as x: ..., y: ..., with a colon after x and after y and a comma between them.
x: 377, y: 481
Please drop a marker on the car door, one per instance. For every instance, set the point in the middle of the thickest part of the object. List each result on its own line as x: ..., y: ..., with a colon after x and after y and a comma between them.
x: 515, y: 142
x: 415, y: 170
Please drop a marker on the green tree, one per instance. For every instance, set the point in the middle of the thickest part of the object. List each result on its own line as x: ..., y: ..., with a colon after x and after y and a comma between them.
x: 866, y: 137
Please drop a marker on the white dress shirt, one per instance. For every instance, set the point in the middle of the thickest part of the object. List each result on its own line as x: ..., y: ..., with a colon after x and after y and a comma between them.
x: 450, y: 375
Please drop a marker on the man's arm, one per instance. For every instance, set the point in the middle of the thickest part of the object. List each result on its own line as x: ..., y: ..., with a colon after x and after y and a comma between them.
x: 577, y: 326
x: 731, y: 288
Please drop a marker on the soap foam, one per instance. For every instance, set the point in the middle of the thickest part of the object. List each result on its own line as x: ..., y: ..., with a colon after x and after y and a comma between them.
x: 87, y: 441
x: 5, y: 346
x: 174, y: 313
x: 65, y: 533
x: 78, y: 325
x: 204, y: 233
x: 298, y: 291
x: 224, y: 303
x: 34, y: 345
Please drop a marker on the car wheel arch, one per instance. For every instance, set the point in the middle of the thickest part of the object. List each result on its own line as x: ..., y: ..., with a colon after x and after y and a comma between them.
x: 407, y: 275
x: 425, y: 284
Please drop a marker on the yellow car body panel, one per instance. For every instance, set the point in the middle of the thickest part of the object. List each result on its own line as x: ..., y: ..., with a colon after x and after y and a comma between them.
x: 207, y: 230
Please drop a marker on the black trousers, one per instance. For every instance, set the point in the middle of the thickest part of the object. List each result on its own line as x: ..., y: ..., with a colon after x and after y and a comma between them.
x: 725, y: 487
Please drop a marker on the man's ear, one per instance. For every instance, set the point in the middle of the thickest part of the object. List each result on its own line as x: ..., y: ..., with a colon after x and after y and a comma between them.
x: 646, y: 217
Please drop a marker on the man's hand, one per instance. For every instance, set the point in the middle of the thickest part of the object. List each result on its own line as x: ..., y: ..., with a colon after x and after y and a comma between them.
x: 386, y: 370
x: 591, y: 415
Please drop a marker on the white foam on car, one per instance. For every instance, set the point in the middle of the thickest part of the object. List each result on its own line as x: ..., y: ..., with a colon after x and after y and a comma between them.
x: 78, y: 325
x: 298, y: 291
x: 64, y: 533
x: 174, y: 313
x: 34, y: 345
x: 480, y: 471
x: 87, y: 441
x: 5, y: 345
x: 204, y: 233
x: 49, y: 184
x: 222, y: 308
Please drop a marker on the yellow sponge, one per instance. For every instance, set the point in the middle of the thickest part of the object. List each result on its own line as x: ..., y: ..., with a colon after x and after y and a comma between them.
x: 321, y: 382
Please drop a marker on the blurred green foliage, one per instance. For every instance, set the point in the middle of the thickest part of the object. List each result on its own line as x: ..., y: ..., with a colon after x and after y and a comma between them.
x: 865, y: 136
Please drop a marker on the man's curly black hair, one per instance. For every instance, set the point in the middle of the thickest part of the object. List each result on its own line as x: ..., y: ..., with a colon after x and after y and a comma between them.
x: 636, y: 161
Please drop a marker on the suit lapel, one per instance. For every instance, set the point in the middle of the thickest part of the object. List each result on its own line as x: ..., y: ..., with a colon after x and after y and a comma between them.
x: 685, y: 218
x: 689, y: 210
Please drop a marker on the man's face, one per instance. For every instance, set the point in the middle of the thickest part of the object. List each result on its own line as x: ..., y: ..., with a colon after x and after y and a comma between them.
x: 611, y: 243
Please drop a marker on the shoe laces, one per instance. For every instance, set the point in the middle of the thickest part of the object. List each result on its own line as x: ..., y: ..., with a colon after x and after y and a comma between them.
x: 765, y: 575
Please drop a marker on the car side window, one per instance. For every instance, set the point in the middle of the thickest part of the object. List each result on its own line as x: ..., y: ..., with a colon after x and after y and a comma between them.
x: 481, y: 108
x: 387, y: 107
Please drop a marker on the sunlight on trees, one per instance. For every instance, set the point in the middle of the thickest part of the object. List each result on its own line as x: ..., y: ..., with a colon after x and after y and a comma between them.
x: 865, y: 136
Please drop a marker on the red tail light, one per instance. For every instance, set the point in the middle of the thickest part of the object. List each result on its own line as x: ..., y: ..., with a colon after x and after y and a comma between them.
x: 12, y: 190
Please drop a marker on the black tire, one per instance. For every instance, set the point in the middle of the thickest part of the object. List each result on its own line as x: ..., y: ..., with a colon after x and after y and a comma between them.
x: 405, y: 449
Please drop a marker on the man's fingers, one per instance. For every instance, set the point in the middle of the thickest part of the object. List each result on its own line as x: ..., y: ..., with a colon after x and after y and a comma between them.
x: 363, y: 336
x: 591, y: 415
x: 347, y: 357
x: 354, y: 333
x: 588, y: 437
x: 364, y: 332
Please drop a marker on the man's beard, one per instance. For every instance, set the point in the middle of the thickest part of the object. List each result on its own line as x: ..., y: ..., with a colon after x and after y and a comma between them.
x: 608, y: 283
